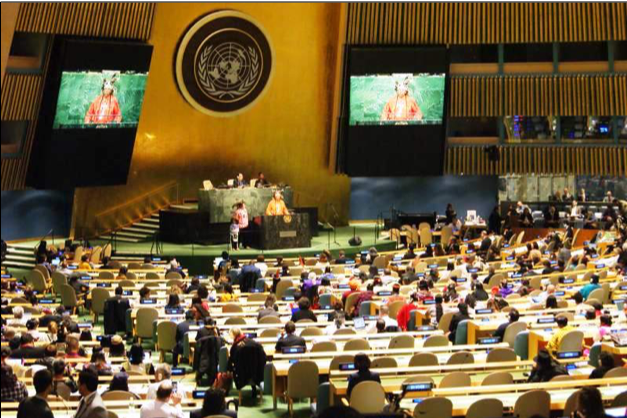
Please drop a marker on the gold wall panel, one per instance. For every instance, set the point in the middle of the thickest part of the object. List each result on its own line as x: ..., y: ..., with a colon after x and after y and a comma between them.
x: 9, y: 19
x: 286, y: 134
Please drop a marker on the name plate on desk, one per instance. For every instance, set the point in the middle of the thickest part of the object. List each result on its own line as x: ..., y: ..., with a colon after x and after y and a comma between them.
x: 287, y: 234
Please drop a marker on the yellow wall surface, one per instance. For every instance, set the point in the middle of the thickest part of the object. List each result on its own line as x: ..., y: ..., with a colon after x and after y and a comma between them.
x: 286, y: 134
x: 9, y: 19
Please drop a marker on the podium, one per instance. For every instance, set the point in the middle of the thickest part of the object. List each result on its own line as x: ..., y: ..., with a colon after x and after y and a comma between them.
x: 284, y: 232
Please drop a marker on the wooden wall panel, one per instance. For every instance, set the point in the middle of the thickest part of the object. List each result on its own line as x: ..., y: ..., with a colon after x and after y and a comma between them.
x: 600, y: 160
x: 485, y: 23
x: 21, y: 94
x: 100, y: 20
x: 544, y: 95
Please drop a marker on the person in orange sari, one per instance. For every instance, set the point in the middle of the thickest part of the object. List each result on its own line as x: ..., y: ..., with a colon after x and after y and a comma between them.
x: 105, y: 108
x: 401, y: 106
x: 277, y: 206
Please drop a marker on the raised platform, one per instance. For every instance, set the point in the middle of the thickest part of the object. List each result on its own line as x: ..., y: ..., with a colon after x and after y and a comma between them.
x: 199, y: 258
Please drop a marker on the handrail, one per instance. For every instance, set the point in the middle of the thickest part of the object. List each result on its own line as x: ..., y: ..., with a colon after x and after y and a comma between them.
x: 135, y: 203
x: 140, y: 198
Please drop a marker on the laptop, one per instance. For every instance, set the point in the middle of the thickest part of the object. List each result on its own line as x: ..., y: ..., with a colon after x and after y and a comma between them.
x: 360, y: 324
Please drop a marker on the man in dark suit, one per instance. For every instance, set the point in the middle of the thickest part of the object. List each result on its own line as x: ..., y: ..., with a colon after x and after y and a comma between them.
x: 181, y: 329
x: 37, y: 406
x: 115, y: 312
x: 91, y: 404
x: 513, y: 317
x: 362, y: 364
x: 486, y: 242
x: 289, y: 339
x: 27, y: 349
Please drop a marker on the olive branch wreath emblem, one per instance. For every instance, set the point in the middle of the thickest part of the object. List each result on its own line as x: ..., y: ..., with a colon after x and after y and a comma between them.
x: 210, y: 88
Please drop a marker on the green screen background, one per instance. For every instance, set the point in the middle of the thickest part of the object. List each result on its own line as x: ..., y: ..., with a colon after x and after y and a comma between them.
x: 369, y: 94
x: 79, y: 89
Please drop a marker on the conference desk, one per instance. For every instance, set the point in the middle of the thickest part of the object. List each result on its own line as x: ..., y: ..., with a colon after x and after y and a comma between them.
x: 392, y: 379
x: 463, y: 398
x: 219, y: 203
x: 282, y: 362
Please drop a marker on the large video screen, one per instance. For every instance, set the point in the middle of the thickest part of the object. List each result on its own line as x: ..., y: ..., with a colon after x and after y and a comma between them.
x: 90, y: 112
x: 100, y: 99
x: 397, y: 99
x: 394, y: 111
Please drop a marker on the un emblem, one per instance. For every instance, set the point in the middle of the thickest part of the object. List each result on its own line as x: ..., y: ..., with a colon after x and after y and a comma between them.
x: 224, y: 63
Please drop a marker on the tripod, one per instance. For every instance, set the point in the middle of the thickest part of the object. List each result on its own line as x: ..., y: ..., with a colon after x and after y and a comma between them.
x: 156, y: 247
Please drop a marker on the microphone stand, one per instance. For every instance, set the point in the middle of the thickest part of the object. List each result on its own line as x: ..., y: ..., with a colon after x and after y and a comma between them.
x: 336, y: 217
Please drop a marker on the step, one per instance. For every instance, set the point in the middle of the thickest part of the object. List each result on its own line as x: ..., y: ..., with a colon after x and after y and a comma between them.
x: 121, y: 257
x: 25, y: 247
x: 155, y: 215
x: 146, y: 225
x: 20, y: 258
x: 151, y: 220
x: 131, y: 235
x: 183, y: 207
x: 17, y: 264
x: 139, y: 230
x: 121, y: 239
x: 13, y: 250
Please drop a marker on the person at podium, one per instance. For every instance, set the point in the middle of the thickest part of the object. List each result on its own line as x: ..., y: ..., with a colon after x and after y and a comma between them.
x: 277, y: 206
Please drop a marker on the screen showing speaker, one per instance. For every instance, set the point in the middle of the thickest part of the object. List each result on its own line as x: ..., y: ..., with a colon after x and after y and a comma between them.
x: 100, y: 99
x: 91, y: 108
x: 394, y: 111
x: 397, y: 99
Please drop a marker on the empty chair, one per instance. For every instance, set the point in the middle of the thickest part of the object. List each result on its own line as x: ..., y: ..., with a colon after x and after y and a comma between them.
x: 498, y: 378
x: 395, y: 308
x: 302, y: 382
x: 119, y: 395
x: 126, y: 283
x: 358, y: 344
x: 152, y: 276
x: 257, y: 297
x: 134, y: 266
x: 68, y: 298
x: 512, y: 331
x: 166, y: 338
x: 58, y: 279
x: 535, y: 402
x: 98, y: 298
x: 485, y: 408
x: 616, y: 372
x: 282, y: 287
x: 445, y: 321
x: 501, y: 354
x: 324, y: 347
x: 455, y: 380
x: 106, y: 275
x: 434, y: 408
x: 270, y: 333
x: 345, y: 331
x: 235, y: 321
x: 232, y: 308
x: 424, y: 359
x: 37, y: 281
x: 174, y: 275
x: 144, y: 319
x: 562, y: 378
x: 419, y: 379
x: 368, y: 398
x: 598, y: 294
x: 402, y: 341
x: 176, y: 282
x: 461, y: 357
x: 384, y: 363
x: 270, y: 320
x: 436, y: 341
x: 571, y: 404
x: 312, y: 332
x: 572, y: 341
